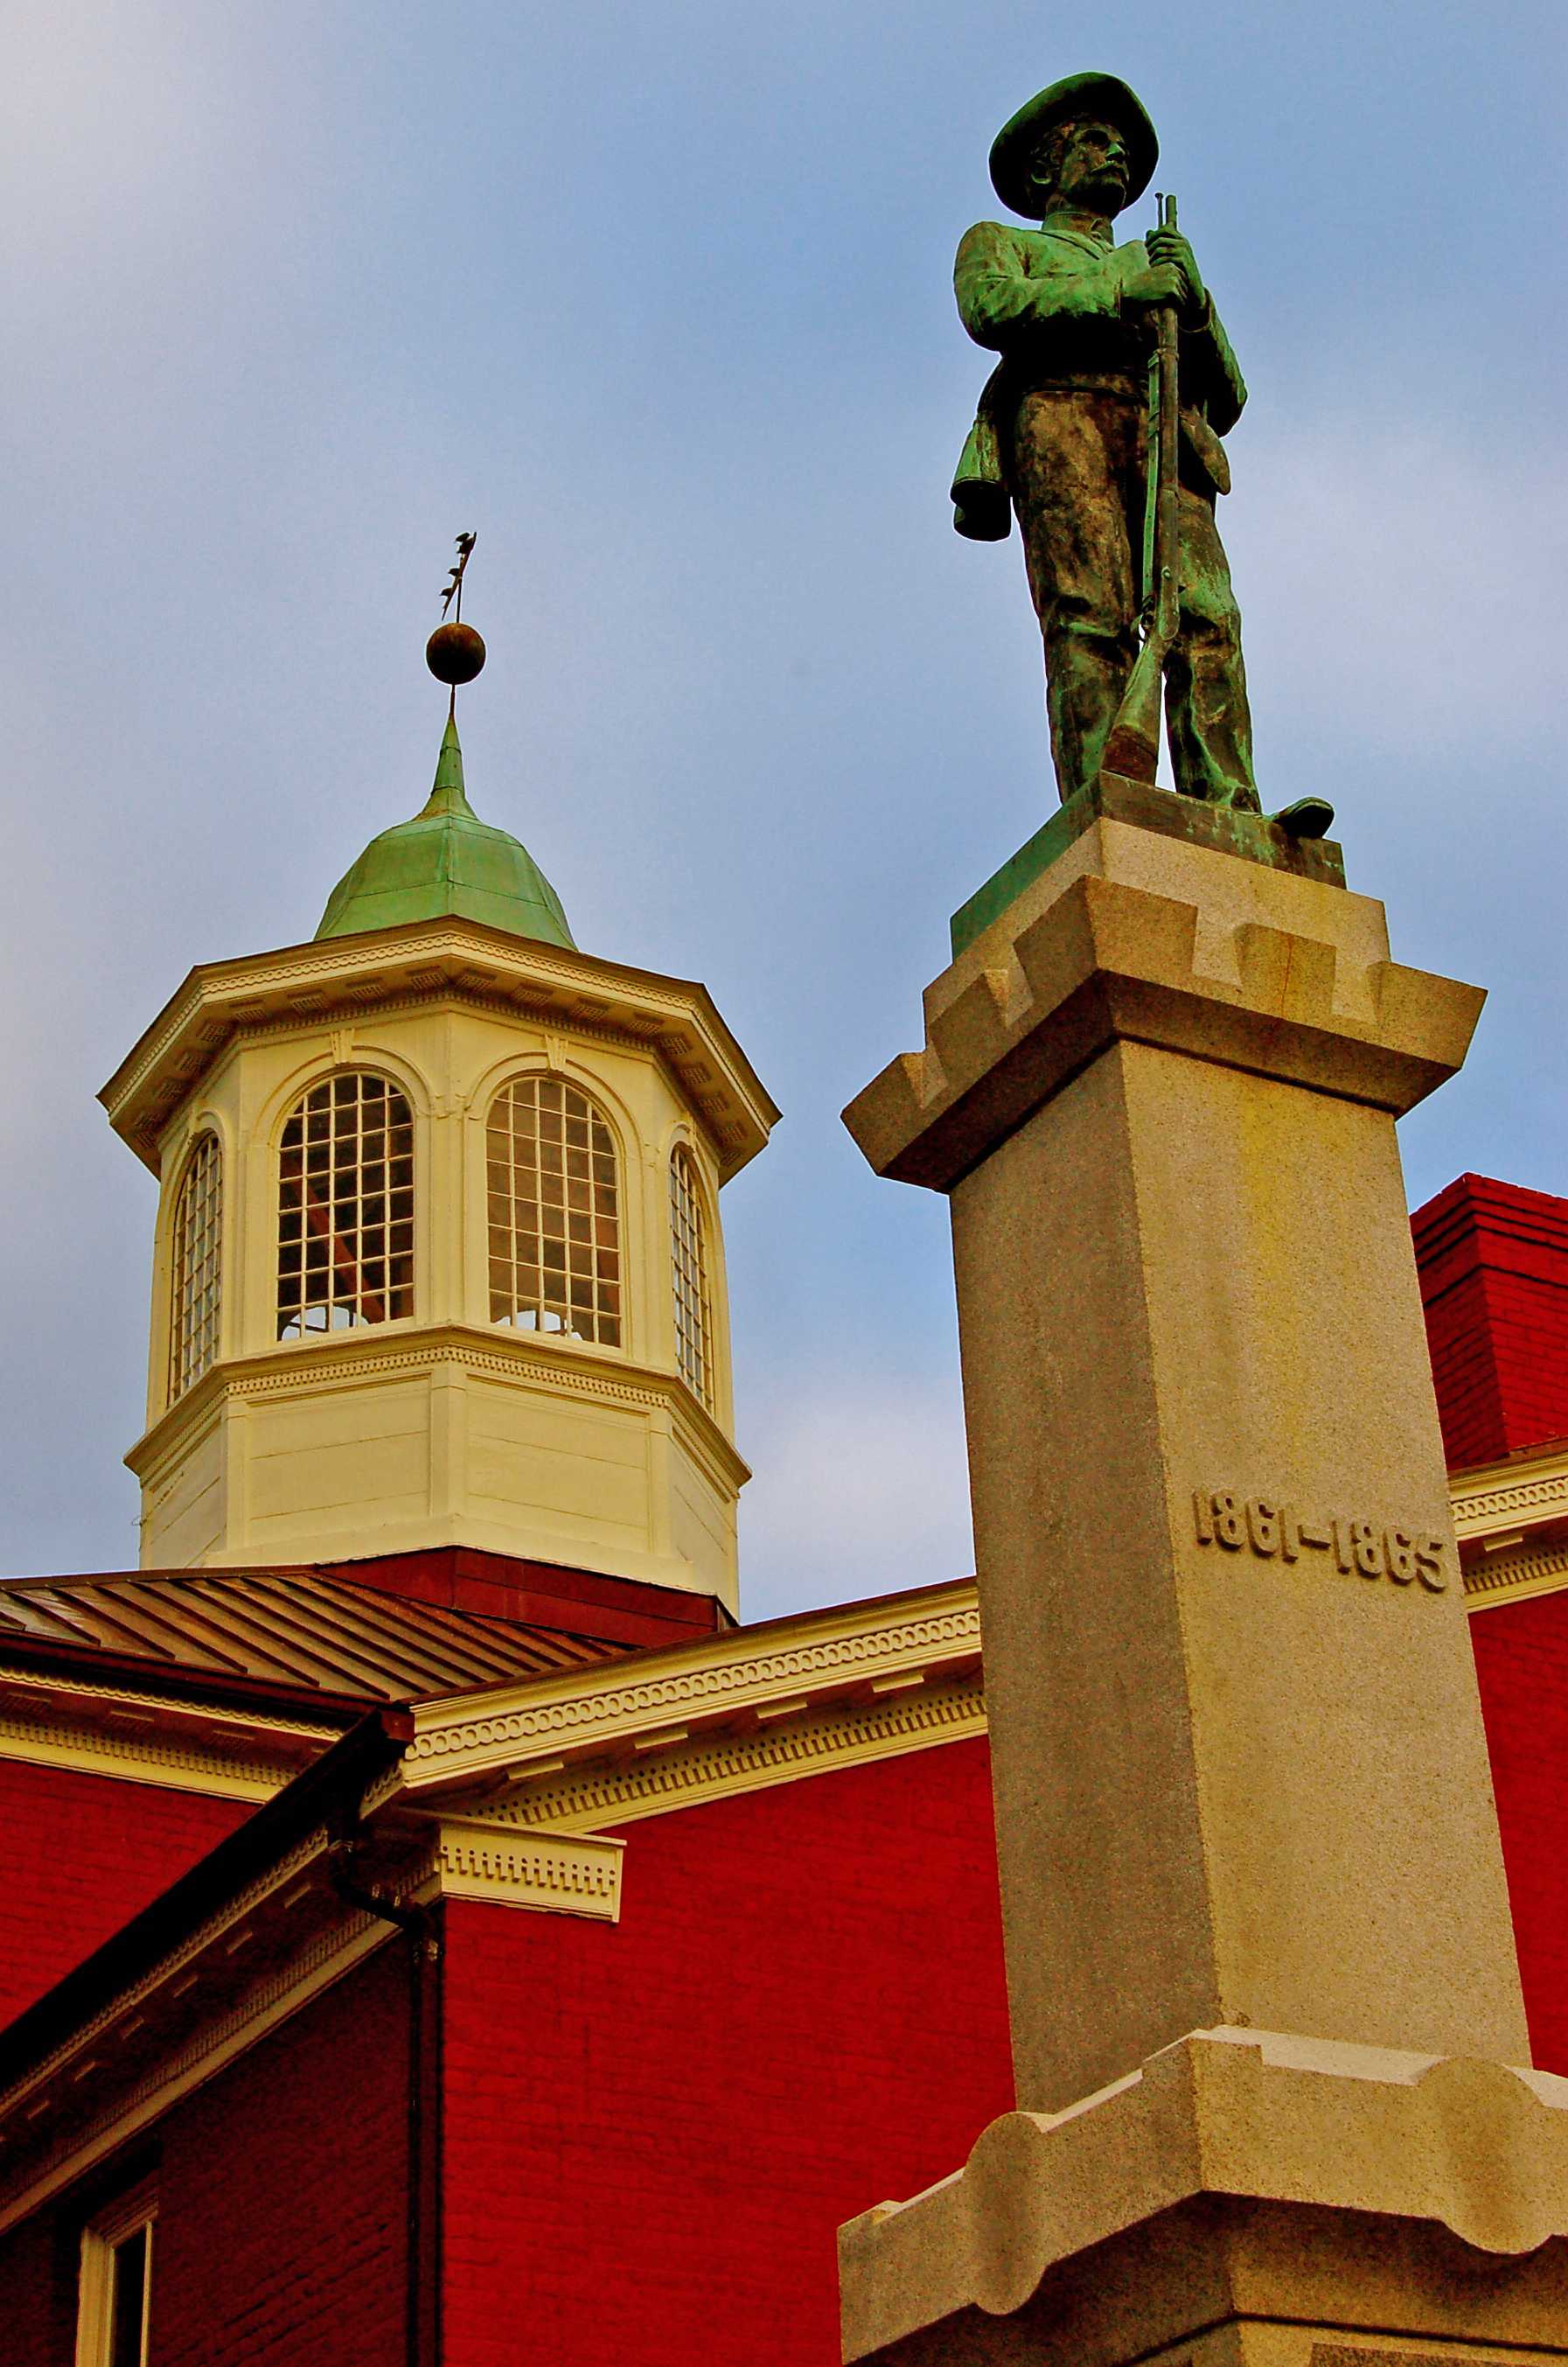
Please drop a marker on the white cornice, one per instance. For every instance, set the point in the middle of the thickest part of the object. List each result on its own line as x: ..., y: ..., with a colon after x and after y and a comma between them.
x: 138, y: 1736
x: 719, y: 1679
x: 686, y: 1771
x: 460, y: 960
x: 573, y: 1367
x: 512, y: 1866
x: 1518, y: 1494
x: 181, y: 1766
x: 1510, y: 1576
x: 253, y: 1719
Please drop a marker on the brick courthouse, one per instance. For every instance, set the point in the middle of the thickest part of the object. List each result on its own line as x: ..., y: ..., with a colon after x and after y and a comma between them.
x: 432, y: 1928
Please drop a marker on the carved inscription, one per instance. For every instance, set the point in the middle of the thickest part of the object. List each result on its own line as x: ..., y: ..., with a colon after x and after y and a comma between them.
x: 1276, y: 1531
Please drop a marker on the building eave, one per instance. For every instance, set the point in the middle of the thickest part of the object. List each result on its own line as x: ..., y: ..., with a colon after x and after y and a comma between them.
x: 675, y: 1018
x: 256, y: 1930
x: 1511, y: 1518
x: 653, y: 1700
x: 55, y: 1712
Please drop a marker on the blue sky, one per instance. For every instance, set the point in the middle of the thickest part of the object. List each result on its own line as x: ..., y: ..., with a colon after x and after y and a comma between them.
x: 658, y: 301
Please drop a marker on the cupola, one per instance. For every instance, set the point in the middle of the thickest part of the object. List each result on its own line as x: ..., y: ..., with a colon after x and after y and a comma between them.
x: 438, y: 1255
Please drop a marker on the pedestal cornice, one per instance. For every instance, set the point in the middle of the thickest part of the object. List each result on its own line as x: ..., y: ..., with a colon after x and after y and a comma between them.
x: 1074, y: 967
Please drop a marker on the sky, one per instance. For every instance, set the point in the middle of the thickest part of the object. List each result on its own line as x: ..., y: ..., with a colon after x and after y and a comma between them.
x: 658, y: 302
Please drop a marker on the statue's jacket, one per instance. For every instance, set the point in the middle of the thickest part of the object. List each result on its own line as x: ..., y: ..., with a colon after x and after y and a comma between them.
x: 1050, y: 301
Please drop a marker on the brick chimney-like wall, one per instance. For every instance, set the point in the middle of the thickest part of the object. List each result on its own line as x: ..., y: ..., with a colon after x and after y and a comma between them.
x: 1493, y: 1259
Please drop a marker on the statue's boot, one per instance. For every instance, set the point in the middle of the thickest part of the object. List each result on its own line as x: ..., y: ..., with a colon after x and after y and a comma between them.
x: 1308, y: 817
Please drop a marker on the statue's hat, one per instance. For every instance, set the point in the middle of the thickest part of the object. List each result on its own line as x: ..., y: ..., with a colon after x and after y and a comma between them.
x: 1013, y: 150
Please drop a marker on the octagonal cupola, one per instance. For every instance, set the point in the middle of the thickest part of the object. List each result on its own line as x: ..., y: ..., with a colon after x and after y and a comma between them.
x: 438, y: 1257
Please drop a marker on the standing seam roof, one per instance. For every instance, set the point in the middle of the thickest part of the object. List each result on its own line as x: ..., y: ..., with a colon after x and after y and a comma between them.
x: 295, y: 1627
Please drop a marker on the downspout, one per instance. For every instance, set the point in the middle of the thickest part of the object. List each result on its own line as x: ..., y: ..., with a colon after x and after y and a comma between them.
x: 421, y: 1927
x: 427, y: 1962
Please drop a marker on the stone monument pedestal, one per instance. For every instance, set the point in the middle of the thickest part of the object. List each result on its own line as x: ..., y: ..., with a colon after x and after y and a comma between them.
x: 1246, y: 2200
x: 1240, y: 1778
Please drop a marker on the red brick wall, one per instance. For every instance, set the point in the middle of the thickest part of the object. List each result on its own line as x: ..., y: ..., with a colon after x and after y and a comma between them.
x: 653, y: 2130
x: 38, y: 2297
x: 1494, y: 1265
x: 282, y: 2196
x: 282, y: 2202
x: 81, y: 1855
x: 1521, y: 1661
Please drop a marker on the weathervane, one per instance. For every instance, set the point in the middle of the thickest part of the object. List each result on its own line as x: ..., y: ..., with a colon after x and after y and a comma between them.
x: 455, y: 651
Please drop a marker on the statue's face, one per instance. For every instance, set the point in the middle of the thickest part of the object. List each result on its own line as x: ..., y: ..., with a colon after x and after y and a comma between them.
x: 1084, y: 164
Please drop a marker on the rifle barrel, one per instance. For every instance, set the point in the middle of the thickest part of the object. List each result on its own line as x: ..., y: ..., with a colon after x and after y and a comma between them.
x: 1165, y: 458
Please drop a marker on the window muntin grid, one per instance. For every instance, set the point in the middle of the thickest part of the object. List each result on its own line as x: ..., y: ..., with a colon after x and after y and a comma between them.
x: 196, y: 1267
x: 345, y: 1208
x: 689, y: 1278
x: 554, y: 1213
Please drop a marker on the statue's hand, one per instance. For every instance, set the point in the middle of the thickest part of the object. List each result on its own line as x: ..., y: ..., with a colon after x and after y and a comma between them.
x: 1169, y: 246
x: 1162, y: 283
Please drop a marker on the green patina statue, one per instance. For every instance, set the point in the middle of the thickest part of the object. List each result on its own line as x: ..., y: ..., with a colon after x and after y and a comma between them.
x: 1102, y: 349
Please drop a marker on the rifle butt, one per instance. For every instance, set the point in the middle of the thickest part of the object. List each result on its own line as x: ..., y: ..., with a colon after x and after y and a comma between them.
x: 1131, y: 748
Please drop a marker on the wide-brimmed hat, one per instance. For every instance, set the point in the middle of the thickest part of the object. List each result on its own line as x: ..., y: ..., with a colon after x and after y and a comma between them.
x: 1013, y: 150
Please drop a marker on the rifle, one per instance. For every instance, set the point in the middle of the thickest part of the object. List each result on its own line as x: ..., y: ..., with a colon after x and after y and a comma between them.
x: 1132, y: 748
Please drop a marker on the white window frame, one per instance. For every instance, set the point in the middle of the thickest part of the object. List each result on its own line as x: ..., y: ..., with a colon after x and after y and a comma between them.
x: 690, y: 1281
x: 191, y: 1317
x: 338, y: 1301
x: 576, y: 1299
x: 101, y: 2238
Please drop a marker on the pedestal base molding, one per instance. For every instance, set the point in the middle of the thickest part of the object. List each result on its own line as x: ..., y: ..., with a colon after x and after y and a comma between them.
x: 1247, y: 2200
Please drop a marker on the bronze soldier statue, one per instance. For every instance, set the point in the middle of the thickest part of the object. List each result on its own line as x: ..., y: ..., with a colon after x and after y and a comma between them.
x: 1063, y: 434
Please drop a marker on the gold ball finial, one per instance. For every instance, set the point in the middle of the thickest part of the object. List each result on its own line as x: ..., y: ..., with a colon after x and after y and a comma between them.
x: 453, y: 653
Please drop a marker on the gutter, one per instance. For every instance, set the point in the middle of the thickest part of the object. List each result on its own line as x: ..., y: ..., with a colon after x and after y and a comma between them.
x: 328, y: 1793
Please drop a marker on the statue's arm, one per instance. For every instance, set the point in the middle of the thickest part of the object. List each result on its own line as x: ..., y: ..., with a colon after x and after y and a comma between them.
x: 1209, y: 370
x: 999, y: 300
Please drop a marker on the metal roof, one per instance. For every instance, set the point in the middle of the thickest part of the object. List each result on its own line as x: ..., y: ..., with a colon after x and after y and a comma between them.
x: 446, y: 860
x: 290, y: 1630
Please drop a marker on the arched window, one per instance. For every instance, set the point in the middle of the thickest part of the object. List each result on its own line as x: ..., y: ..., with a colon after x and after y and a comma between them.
x: 555, y: 1232
x: 196, y: 1267
x: 689, y: 1276
x: 345, y: 1209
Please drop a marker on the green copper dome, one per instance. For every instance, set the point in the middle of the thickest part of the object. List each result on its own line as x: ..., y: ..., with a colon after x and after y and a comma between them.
x: 446, y: 860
